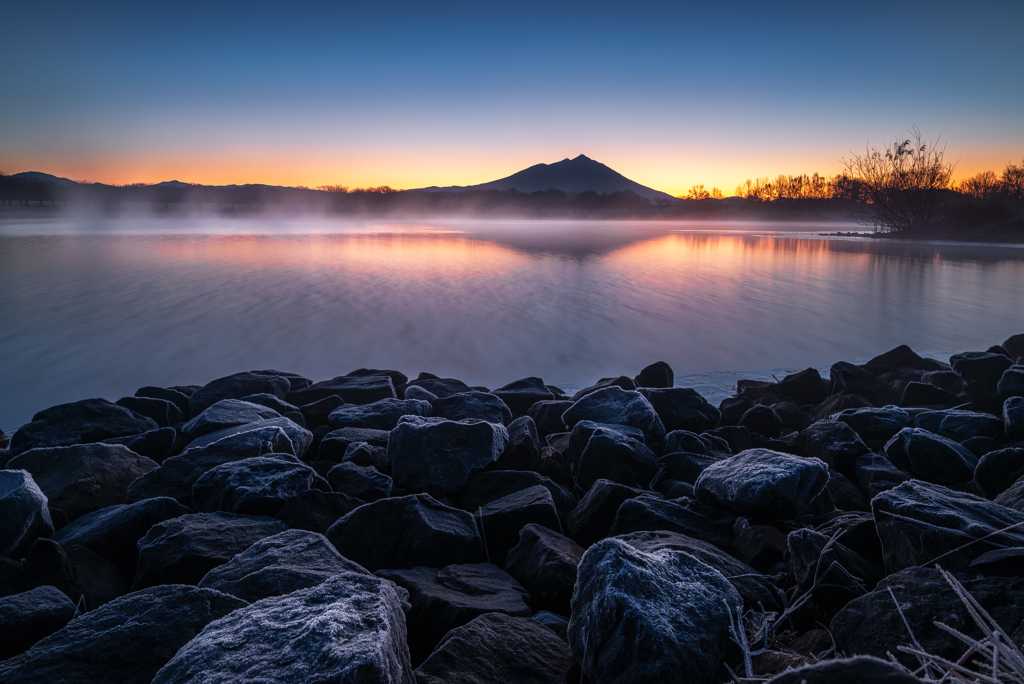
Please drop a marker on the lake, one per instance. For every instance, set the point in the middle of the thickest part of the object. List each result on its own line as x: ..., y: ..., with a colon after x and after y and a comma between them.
x: 97, y: 307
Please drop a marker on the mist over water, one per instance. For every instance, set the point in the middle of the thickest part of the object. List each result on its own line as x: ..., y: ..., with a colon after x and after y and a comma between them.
x: 99, y: 307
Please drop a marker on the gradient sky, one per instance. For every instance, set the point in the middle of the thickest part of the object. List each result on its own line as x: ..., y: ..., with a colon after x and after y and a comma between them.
x: 443, y: 93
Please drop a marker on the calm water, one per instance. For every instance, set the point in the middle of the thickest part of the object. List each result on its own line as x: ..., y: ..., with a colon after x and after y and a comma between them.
x: 100, y: 307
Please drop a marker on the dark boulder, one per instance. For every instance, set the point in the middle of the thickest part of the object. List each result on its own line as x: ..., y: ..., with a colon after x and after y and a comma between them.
x: 1013, y: 497
x: 998, y: 470
x: 127, y: 640
x: 762, y: 547
x: 584, y: 430
x: 845, y: 494
x: 76, y: 571
x: 318, y: 412
x: 1000, y: 563
x: 444, y: 599
x: 83, y: 478
x: 235, y: 387
x: 875, y: 474
x: 902, y: 357
x: 684, y: 440
x: 840, y: 574
x: 847, y: 378
x: 762, y: 420
x: 793, y: 417
x: 254, y: 486
x: 1011, y: 384
x: 416, y: 392
x: 406, y: 531
x: 24, y: 516
x: 353, y: 390
x: 683, y: 467
x: 227, y: 413
x: 490, y: 485
x: 805, y: 388
x: 945, y: 380
x: 761, y: 482
x: 183, y: 549
x: 316, y: 511
x: 610, y: 455
x: 735, y: 436
x: 658, y: 375
x: 163, y: 412
x: 622, y: 382
x: 872, y: 624
x: 80, y: 422
x: 472, y: 406
x: 523, y: 449
x: 501, y: 520
x: 439, y: 387
x: 733, y: 408
x: 397, y: 377
x: 156, y: 445
x: 27, y: 617
x: 279, y: 565
x: 544, y: 562
x: 959, y: 425
x: 179, y: 399
x: 362, y: 482
x: 257, y: 435
x: 347, y: 629
x: 271, y: 402
x: 521, y: 395
x: 645, y: 617
x: 380, y: 415
x: 923, y: 395
x: 548, y: 415
x: 984, y: 367
x: 593, y: 516
x: 1013, y: 417
x: 335, y: 444
x: 858, y: 670
x: 833, y: 442
x: 931, y: 457
x: 681, y: 408
x: 838, y: 402
x: 649, y: 513
x: 1014, y: 345
x: 114, y: 532
x: 498, y: 648
x: 367, y: 456
x: 875, y: 426
x: 438, y: 456
x: 619, y: 407
x: 920, y: 524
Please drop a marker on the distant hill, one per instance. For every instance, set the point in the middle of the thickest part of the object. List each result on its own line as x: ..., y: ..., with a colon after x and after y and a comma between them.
x: 569, y: 175
x: 42, y: 178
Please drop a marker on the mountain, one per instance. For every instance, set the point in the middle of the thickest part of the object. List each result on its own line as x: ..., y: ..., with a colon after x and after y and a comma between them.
x: 569, y: 175
x: 43, y: 178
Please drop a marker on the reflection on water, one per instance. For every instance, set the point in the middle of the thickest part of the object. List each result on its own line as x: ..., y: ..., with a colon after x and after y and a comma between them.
x: 100, y: 312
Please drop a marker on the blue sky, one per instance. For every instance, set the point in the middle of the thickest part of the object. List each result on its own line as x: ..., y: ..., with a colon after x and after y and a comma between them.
x: 444, y: 93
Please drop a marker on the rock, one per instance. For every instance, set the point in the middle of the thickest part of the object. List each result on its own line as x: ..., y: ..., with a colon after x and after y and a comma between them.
x: 295, y: 381
x: 610, y: 455
x: 397, y: 377
x: 548, y: 415
x: 182, y: 550
x: 444, y: 599
x: 279, y: 565
x: 257, y: 435
x: 227, y: 413
x: 501, y: 520
x: 736, y: 436
x: 619, y: 407
x: 805, y: 388
x: 473, y: 406
x: 622, y: 382
x: 316, y: 511
x: 156, y: 445
x: 27, y: 617
x: 335, y: 444
x: 850, y: 379
x: 756, y: 591
x: 658, y: 375
x: 163, y: 412
x: 595, y: 513
x: 271, y: 402
x: 416, y: 392
x: 367, y: 456
x: 585, y: 429
x: 871, y: 624
x: 931, y: 457
x: 945, y: 380
x: 521, y: 395
x: 833, y: 442
x: 80, y: 422
x: 76, y: 571
x: 845, y: 494
x: 235, y: 387
x: 838, y: 402
x: 998, y: 470
x: 353, y: 390
x: 544, y: 562
x: 902, y: 357
x: 380, y: 415
x: 1014, y: 345
x: 318, y: 412
x: 127, y: 640
x: 364, y: 483
x: 983, y: 367
x: 876, y: 474
x: 638, y: 617
x: 1000, y: 563
x: 733, y: 408
x: 523, y: 449
x: 683, y: 467
x: 762, y: 420
x: 1011, y: 384
x: 683, y: 440
x: 789, y: 412
x: 857, y: 670
x: 438, y: 456
x: 490, y: 485
x: 177, y: 398
x: 921, y: 524
x: 648, y: 513
x: 114, y: 532
x: 762, y: 547
x: 498, y: 648
x: 406, y: 531
x: 875, y: 426
x: 83, y: 478
x: 959, y: 425
x: 439, y: 387
x: 681, y: 408
x: 254, y: 486
x: 1013, y: 417
x: 762, y: 482
x: 810, y: 558
x: 1013, y: 497
x: 919, y: 394
x: 347, y: 629
x: 24, y: 516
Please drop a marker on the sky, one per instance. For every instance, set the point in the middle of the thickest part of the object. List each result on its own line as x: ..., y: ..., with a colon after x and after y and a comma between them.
x: 457, y: 93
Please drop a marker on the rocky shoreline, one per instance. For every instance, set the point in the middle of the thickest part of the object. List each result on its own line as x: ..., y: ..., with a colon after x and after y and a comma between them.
x: 371, y: 528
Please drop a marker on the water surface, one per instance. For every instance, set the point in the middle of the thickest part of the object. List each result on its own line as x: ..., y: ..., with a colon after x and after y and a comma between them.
x: 100, y: 307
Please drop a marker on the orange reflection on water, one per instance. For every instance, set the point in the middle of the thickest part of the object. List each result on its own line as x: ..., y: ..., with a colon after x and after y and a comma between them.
x: 401, y: 256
